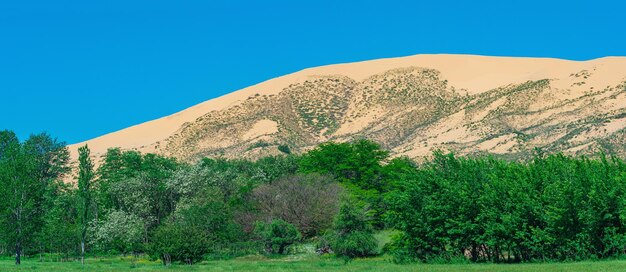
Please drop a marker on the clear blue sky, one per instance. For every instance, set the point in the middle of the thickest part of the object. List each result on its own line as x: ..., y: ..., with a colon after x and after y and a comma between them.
x: 80, y: 69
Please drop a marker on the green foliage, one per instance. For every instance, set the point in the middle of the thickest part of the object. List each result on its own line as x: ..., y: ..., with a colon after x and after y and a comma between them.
x: 277, y: 235
x: 268, y: 169
x: 137, y: 184
x: 85, y: 177
x: 60, y: 222
x: 358, y: 165
x: 352, y: 234
x: 358, y: 162
x: 179, y: 243
x: 552, y: 208
x: 198, y: 230
x: 27, y: 172
x: 447, y: 209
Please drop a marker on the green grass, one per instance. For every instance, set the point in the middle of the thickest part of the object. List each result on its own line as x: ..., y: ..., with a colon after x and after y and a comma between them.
x: 300, y: 263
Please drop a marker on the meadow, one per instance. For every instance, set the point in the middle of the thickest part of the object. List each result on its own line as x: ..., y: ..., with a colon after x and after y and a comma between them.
x: 299, y: 263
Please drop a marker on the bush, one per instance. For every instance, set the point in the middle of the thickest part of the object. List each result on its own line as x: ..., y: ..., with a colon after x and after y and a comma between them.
x: 352, y: 234
x: 284, y: 148
x: 277, y: 235
x: 179, y: 243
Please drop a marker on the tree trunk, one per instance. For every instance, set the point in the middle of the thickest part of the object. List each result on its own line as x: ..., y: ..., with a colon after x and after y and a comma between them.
x: 474, y: 252
x: 82, y: 252
x: 18, y: 253
x: 18, y: 242
x: 167, y: 259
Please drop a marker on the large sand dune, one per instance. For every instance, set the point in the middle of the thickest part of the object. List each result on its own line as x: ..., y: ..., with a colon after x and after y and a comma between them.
x: 469, y: 75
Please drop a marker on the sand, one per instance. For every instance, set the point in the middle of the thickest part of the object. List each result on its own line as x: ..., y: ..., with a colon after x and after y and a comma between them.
x: 473, y: 73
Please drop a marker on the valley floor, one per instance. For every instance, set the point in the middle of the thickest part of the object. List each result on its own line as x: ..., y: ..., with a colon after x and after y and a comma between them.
x: 295, y: 263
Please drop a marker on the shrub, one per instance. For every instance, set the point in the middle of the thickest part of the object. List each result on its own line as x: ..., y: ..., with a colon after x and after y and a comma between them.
x: 352, y: 234
x: 179, y: 243
x: 284, y: 148
x: 277, y: 235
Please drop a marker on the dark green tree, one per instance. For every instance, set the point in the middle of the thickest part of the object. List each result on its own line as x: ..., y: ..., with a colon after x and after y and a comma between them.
x: 177, y: 242
x: 60, y: 222
x: 277, y: 235
x: 352, y: 233
x: 85, y: 178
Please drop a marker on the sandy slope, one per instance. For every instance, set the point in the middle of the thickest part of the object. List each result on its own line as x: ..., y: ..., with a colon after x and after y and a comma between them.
x: 475, y: 74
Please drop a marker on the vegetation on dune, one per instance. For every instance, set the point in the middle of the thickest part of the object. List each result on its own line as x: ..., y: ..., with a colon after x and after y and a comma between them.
x: 412, y: 110
x: 336, y: 196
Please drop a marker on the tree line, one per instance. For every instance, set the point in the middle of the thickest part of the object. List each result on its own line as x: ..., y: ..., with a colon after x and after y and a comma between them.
x: 552, y: 207
x: 336, y: 196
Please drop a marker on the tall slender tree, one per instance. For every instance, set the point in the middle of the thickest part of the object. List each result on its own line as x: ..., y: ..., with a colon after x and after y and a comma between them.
x: 85, y: 177
x: 12, y: 196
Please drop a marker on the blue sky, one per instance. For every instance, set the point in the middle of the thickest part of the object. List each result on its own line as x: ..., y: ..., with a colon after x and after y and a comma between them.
x: 80, y: 69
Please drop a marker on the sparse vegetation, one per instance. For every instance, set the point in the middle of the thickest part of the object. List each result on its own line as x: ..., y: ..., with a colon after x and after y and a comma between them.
x: 259, y: 144
x: 402, y: 106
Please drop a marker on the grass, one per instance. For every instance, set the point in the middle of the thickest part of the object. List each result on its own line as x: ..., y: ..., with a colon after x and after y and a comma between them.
x: 300, y: 263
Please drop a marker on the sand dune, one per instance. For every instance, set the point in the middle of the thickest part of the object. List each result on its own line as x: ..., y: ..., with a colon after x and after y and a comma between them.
x: 469, y: 74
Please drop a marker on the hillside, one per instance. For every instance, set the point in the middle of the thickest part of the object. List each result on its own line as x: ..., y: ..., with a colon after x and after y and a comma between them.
x: 411, y: 105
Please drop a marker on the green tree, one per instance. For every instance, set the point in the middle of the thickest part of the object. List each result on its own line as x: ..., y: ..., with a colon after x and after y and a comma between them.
x: 553, y: 207
x: 176, y: 242
x: 118, y: 232
x: 203, y: 222
x: 61, y: 222
x: 352, y: 233
x: 137, y: 184
x: 358, y: 165
x: 26, y: 171
x: 85, y: 178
